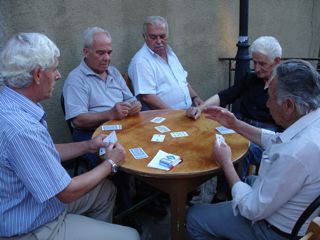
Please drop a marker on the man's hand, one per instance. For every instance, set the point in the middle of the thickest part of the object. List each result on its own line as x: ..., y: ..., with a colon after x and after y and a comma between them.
x: 197, y: 101
x: 116, y: 152
x: 193, y: 112
x: 221, y: 153
x: 221, y: 115
x: 120, y: 110
x: 96, y: 143
x: 135, y: 108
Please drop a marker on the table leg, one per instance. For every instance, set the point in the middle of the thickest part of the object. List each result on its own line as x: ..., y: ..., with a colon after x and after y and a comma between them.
x: 178, y: 189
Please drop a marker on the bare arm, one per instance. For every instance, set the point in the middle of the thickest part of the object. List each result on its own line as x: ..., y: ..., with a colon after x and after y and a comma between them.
x: 196, y: 100
x: 95, y: 119
x: 153, y: 101
x: 227, y: 119
x: 222, y: 156
x: 83, y: 183
x: 71, y: 150
x: 212, y: 101
x: 195, y: 112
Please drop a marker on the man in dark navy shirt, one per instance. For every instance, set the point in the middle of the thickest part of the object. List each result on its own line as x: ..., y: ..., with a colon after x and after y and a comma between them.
x: 252, y: 89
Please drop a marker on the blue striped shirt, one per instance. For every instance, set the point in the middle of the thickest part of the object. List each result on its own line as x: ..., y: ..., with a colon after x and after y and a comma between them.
x: 30, y: 170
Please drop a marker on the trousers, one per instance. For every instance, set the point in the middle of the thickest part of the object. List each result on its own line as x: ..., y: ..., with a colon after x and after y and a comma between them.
x: 89, y: 217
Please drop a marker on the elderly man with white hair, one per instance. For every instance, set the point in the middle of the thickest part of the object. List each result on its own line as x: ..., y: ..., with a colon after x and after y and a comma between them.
x: 38, y: 198
x: 267, y: 206
x: 252, y: 91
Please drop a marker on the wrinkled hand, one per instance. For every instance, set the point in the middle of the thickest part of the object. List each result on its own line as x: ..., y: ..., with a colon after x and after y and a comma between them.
x: 193, y: 112
x: 221, y: 115
x: 96, y: 143
x: 221, y: 154
x: 135, y: 107
x: 120, y: 110
x: 197, y: 101
x: 116, y: 152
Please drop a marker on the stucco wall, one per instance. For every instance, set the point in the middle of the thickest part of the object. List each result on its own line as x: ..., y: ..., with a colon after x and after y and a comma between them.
x: 201, y: 31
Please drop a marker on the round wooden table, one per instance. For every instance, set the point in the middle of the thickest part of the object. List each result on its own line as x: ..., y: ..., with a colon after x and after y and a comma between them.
x: 197, y: 165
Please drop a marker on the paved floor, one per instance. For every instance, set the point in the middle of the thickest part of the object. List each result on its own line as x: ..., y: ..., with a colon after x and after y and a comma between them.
x: 153, y: 220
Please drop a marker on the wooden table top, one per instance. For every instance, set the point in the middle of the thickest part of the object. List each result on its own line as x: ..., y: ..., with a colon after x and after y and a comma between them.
x: 194, y: 149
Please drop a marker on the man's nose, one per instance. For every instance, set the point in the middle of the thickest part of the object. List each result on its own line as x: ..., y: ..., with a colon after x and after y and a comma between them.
x: 257, y: 67
x: 58, y: 76
x: 158, y: 40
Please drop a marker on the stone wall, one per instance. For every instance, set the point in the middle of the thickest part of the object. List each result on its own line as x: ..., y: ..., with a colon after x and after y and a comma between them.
x: 201, y: 32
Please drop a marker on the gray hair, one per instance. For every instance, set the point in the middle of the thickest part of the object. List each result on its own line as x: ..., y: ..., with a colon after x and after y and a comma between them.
x: 89, y: 34
x: 298, y: 80
x: 268, y: 46
x: 22, y: 55
x: 155, y: 21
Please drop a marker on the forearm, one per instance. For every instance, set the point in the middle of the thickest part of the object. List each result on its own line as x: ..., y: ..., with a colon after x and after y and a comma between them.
x: 72, y: 150
x: 83, y: 183
x: 212, y: 101
x: 248, y: 131
x: 91, y: 120
x: 153, y: 101
x: 231, y: 174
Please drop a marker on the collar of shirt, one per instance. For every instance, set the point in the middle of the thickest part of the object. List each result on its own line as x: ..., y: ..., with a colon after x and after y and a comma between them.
x: 299, y: 126
x: 35, y: 110
x: 88, y: 71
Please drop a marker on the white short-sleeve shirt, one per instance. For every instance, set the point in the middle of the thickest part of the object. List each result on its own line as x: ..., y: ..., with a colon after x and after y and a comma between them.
x: 150, y: 74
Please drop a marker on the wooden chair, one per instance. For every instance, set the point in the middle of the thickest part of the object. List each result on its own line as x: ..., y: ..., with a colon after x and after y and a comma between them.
x: 304, y: 216
x: 128, y: 82
x: 313, y: 232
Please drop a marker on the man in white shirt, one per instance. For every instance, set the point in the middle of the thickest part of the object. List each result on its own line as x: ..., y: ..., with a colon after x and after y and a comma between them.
x: 158, y: 78
x: 268, y: 205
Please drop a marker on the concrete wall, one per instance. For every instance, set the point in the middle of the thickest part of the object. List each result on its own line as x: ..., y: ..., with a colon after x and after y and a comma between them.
x: 201, y: 31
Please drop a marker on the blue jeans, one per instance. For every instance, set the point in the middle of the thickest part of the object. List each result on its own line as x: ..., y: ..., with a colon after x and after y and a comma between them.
x: 254, y: 153
x: 84, y: 135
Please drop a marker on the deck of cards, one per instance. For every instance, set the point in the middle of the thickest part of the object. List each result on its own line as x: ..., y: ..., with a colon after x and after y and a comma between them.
x: 164, y: 161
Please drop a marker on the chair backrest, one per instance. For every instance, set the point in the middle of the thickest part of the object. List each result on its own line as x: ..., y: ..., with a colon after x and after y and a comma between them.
x: 313, y: 232
x: 64, y: 113
x: 304, y: 216
x: 128, y: 82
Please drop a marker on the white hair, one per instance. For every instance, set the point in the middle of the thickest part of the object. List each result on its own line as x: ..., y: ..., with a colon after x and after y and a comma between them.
x: 90, y: 32
x: 155, y: 21
x: 22, y: 55
x: 268, y: 46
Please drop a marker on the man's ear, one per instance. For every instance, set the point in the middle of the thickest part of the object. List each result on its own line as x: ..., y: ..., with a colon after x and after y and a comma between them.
x: 144, y: 36
x: 85, y: 52
x: 36, y: 75
x: 277, y: 60
x: 289, y: 107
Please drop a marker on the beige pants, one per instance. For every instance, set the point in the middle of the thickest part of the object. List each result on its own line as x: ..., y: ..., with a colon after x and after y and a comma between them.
x: 88, y: 218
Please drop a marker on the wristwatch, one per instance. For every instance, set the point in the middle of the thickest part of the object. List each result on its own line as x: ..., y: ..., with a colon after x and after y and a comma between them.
x: 114, y: 166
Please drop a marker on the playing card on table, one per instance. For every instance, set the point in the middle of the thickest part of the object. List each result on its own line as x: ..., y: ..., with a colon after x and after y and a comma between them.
x: 179, y: 134
x: 111, y: 138
x: 138, y: 153
x: 111, y: 127
x: 162, y: 128
x: 158, y: 138
x: 220, y: 139
x: 157, y: 120
x: 224, y: 130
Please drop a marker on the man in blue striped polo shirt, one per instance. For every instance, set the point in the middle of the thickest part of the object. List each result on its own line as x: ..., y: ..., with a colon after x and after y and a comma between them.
x: 38, y: 199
